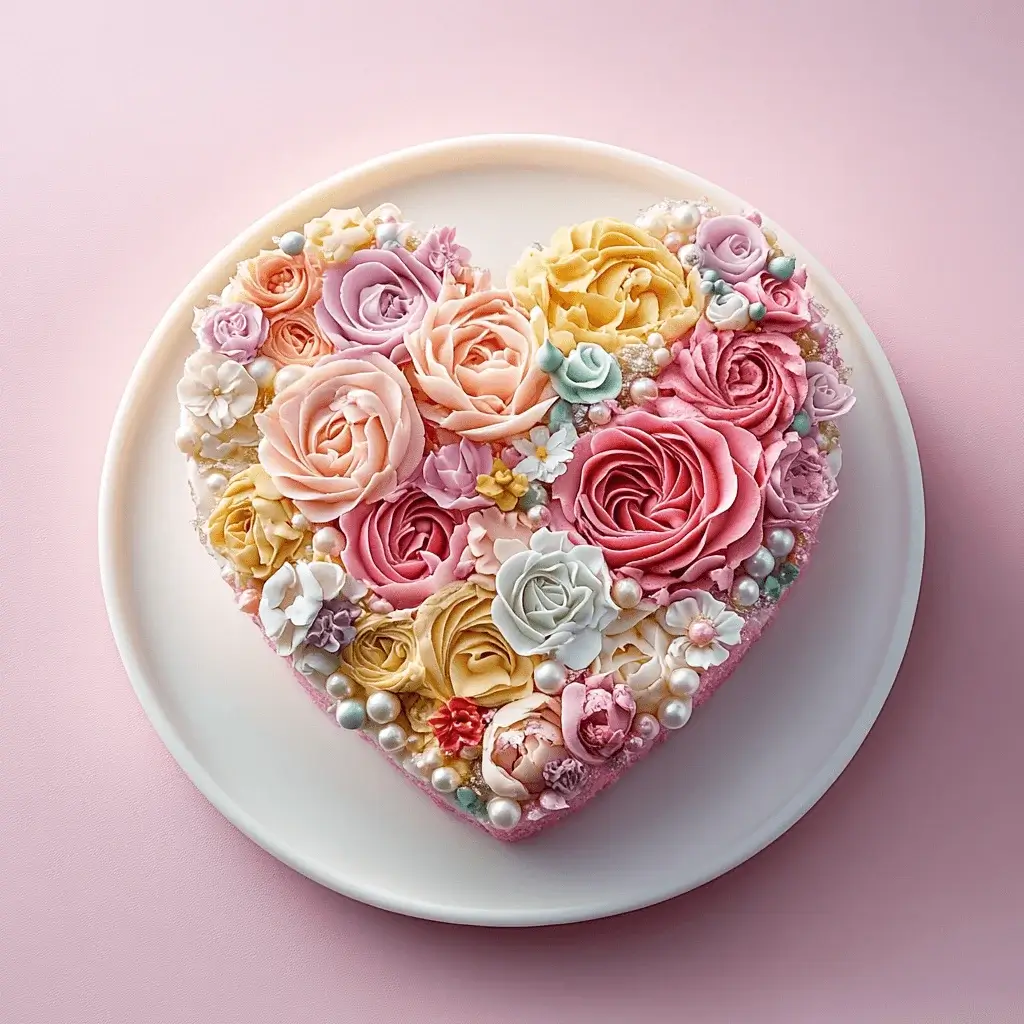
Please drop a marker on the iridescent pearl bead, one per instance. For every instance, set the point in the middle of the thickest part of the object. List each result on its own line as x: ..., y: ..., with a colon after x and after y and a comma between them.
x: 683, y: 682
x: 674, y: 241
x: 292, y: 242
x: 287, y: 376
x: 262, y: 370
x: 690, y: 256
x: 503, y: 813
x: 757, y: 311
x: 216, y: 482
x: 350, y: 714
x: 654, y: 222
x: 538, y: 516
x: 779, y: 541
x: 760, y: 563
x: 627, y: 593
x: 674, y: 713
x: 599, y: 414
x: 187, y: 439
x: 445, y: 780
x: 646, y: 726
x: 662, y: 357
x: 300, y: 522
x: 684, y: 217
x: 339, y: 685
x: 700, y: 632
x: 383, y: 707
x: 327, y: 540
x: 656, y: 340
x: 643, y: 389
x: 549, y: 677
x: 745, y: 592
x: 391, y: 738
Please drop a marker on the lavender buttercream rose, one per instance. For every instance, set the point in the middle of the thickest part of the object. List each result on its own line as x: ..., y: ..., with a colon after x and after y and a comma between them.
x: 827, y: 396
x: 450, y: 474
x: 733, y: 246
x: 800, y: 485
x: 234, y: 329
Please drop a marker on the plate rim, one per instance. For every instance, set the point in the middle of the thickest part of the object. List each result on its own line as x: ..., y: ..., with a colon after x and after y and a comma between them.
x: 112, y: 485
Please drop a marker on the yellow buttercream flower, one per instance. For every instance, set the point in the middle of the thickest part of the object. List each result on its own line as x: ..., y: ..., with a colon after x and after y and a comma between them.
x: 252, y: 525
x: 503, y: 486
x: 339, y: 233
x: 383, y: 655
x: 609, y: 283
x: 464, y: 653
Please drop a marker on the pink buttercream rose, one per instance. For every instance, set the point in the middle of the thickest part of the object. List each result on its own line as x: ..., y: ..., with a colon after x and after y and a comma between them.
x: 666, y: 501
x: 449, y: 475
x: 596, y: 716
x: 522, y: 737
x: 827, y: 396
x: 733, y: 246
x: 787, y: 306
x: 405, y: 548
x: 473, y: 368
x: 755, y: 380
x: 347, y: 431
x: 493, y: 533
x: 800, y: 485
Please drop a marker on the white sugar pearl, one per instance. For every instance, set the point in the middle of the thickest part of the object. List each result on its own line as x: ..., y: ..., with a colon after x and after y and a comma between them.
x: 187, y: 439
x: 683, y: 682
x: 549, y: 677
x: 662, y: 357
x: 262, y: 370
x: 300, y: 522
x: 445, y: 780
x: 216, y: 482
x: 656, y: 340
x: 643, y: 389
x: 383, y: 707
x: 674, y: 713
x: 654, y: 222
x: 746, y: 592
x: 683, y: 217
x: 690, y: 256
x: 339, y: 685
x: 350, y: 714
x: 287, y: 376
x: 431, y: 759
x: 503, y: 813
x: 626, y: 593
x: 646, y: 726
x: 779, y: 541
x: 760, y: 563
x: 391, y: 738
x: 599, y: 414
x: 326, y: 540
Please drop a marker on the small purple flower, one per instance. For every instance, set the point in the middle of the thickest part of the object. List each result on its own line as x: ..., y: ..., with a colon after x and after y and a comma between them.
x: 235, y: 330
x: 827, y: 396
x: 450, y: 474
x: 441, y: 253
x: 333, y: 627
x: 565, y: 776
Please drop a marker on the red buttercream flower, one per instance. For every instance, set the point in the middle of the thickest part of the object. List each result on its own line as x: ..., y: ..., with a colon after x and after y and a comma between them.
x: 458, y: 724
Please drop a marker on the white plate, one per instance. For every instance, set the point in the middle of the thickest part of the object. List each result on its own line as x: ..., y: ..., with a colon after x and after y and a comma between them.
x: 745, y: 769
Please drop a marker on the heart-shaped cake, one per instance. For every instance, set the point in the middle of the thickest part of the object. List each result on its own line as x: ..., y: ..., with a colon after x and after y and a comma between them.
x: 513, y: 535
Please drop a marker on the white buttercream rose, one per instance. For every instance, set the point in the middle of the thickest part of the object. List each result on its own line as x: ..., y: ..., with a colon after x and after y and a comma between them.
x: 729, y: 312
x: 633, y: 651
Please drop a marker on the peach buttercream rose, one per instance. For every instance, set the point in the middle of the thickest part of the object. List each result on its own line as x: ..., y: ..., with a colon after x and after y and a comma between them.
x: 383, y: 655
x: 276, y: 282
x: 609, y: 283
x: 464, y: 653
x: 346, y: 431
x: 295, y: 338
x: 473, y: 365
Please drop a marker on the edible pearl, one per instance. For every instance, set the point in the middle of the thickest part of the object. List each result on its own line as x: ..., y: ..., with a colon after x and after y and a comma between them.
x: 383, y: 707
x: 216, y: 482
x: 683, y: 682
x: 782, y: 267
x: 391, y: 738
x: 757, y: 311
x: 674, y: 713
x: 656, y: 340
x: 684, y: 217
x: 779, y: 541
x: 674, y: 241
x: 287, y: 376
x: 300, y: 522
x: 690, y: 256
x: 503, y: 813
x: 654, y: 222
x: 339, y: 685
x: 643, y: 389
x: 760, y: 563
x: 431, y: 759
x: 626, y: 593
x: 745, y: 592
x: 262, y: 370
x: 646, y: 726
x: 327, y: 539
x: 186, y: 439
x: 662, y: 357
x: 599, y: 414
x: 292, y: 242
x: 445, y: 780
x: 350, y: 714
x: 549, y: 677
x: 538, y: 516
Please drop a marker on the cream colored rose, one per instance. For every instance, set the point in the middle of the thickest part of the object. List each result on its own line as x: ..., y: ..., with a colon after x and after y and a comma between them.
x: 609, y: 283
x: 634, y: 650
x: 463, y: 651
x: 339, y: 233
x: 383, y: 655
x: 251, y: 525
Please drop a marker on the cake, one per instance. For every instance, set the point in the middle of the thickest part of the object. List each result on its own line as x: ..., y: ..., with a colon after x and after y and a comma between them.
x: 514, y: 534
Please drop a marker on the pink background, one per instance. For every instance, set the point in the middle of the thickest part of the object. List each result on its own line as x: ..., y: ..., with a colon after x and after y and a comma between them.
x: 138, y: 138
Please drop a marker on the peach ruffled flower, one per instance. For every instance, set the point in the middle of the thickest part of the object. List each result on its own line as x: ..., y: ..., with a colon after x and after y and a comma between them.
x: 295, y: 338
x: 277, y: 283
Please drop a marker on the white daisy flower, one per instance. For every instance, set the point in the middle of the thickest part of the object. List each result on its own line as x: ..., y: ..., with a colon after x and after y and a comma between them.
x: 546, y: 454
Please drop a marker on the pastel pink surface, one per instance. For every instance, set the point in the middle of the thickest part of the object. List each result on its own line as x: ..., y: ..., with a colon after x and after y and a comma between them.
x: 125, y: 164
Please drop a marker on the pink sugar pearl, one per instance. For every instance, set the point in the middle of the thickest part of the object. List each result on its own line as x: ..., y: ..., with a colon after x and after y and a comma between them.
x: 701, y: 632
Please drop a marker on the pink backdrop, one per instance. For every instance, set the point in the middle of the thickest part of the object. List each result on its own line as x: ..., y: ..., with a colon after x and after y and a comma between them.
x: 138, y: 138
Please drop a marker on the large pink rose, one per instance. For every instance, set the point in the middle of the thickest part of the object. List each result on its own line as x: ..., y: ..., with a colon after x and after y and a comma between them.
x: 596, y: 716
x: 787, y: 307
x: 667, y: 500
x: 405, y: 548
x: 347, y: 431
x: 755, y: 380
x: 473, y: 368
x: 800, y: 485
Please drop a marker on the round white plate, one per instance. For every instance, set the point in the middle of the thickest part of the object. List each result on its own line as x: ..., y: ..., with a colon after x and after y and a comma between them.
x: 751, y: 762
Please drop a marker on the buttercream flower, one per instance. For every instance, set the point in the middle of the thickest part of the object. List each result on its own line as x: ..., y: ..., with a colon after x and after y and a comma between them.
x: 564, y: 777
x: 827, y: 396
x: 667, y: 500
x: 234, y: 329
x: 292, y: 599
x: 520, y: 740
x: 373, y: 299
x: 587, y: 375
x: 786, y: 304
x: 251, y: 525
x: 596, y: 716
x: 728, y: 312
x: 458, y: 724
x: 464, y: 653
x: 800, y: 484
x: 494, y: 536
x: 346, y: 432
x: 609, y: 283
x: 503, y: 486
x: 733, y: 246
x: 333, y: 627
x: 545, y: 454
x: 216, y: 391
x: 339, y: 233
x: 277, y: 283
x: 383, y: 655
x: 633, y: 651
x: 405, y: 547
x: 554, y: 598
x: 703, y: 627
x: 449, y: 475
x: 440, y: 253
x: 753, y: 380
x: 473, y: 365
x: 419, y: 709
x: 295, y: 338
